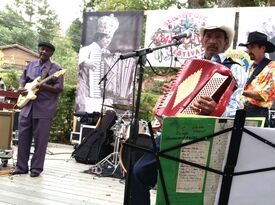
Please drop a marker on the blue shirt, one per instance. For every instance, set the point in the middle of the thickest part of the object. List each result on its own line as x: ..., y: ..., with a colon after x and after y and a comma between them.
x: 240, y: 76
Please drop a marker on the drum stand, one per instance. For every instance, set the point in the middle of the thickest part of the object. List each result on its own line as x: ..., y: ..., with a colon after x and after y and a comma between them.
x: 111, y: 162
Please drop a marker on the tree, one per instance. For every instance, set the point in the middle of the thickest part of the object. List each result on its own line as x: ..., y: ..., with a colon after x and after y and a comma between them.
x: 196, y: 3
x: 33, y: 15
x: 1, y: 59
x: 47, y: 24
x: 14, y: 29
x: 74, y: 33
x: 122, y: 5
x: 67, y: 58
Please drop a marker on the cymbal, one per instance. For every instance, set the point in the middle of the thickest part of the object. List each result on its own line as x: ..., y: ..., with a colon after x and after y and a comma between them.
x: 122, y: 106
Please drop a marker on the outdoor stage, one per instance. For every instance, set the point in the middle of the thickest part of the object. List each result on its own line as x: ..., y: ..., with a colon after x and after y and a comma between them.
x: 62, y: 182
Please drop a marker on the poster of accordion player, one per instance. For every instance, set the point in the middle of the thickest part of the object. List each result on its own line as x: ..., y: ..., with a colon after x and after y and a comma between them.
x: 103, y: 41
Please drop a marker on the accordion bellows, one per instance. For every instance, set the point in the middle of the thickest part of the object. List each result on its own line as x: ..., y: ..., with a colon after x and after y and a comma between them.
x: 196, y: 78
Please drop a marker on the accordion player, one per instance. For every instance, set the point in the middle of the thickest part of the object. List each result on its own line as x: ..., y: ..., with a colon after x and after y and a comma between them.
x: 197, y: 78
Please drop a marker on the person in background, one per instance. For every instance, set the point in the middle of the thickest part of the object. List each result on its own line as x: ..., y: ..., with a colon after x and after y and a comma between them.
x: 259, y: 93
x: 2, y: 84
x: 36, y: 116
x: 216, y: 39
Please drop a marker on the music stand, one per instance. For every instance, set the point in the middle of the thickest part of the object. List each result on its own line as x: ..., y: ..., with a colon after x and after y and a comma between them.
x: 232, y: 156
x: 234, y: 145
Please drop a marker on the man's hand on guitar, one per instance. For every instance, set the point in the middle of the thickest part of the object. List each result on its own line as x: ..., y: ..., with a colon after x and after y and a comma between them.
x: 22, y: 91
x: 205, y: 105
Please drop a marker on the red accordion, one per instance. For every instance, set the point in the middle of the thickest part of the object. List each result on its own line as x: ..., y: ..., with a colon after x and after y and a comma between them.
x: 194, y: 79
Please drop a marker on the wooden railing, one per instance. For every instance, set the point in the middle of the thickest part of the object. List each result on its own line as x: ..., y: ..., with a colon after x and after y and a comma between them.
x: 8, y: 99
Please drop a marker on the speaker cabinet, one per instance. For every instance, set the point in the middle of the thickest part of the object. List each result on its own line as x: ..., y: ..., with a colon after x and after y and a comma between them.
x: 6, y: 128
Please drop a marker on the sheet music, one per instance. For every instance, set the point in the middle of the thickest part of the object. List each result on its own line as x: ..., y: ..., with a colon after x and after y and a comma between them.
x: 218, y: 154
x: 190, y: 179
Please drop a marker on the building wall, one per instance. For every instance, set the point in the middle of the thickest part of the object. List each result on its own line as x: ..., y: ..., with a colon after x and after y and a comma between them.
x: 17, y: 57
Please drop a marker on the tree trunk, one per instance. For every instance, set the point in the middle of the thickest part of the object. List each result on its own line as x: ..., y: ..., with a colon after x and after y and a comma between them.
x: 227, y: 3
x: 247, y: 3
x: 194, y: 4
x: 235, y: 3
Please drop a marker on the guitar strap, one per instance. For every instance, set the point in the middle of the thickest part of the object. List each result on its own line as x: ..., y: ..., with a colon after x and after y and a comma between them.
x: 228, y: 62
x: 46, y: 74
x: 257, y: 70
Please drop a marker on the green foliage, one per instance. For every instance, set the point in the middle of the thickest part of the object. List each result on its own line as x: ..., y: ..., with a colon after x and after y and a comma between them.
x: 1, y: 59
x: 11, y: 76
x: 47, y: 25
x: 67, y: 58
x: 14, y: 29
x: 74, y: 33
x: 147, y: 103
x: 27, y: 22
x: 138, y: 5
x: 142, y: 5
x: 62, y: 123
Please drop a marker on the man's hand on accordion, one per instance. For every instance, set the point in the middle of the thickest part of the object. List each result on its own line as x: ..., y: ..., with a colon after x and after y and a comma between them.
x: 205, y: 105
x: 167, y: 86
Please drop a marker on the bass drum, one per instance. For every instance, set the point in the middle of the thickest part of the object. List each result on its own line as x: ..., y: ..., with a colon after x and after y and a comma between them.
x: 143, y: 140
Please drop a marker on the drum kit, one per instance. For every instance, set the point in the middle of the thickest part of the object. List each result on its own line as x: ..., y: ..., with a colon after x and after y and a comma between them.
x: 121, y: 130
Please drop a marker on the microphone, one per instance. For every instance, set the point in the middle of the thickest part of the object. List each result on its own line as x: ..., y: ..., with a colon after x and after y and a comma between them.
x: 127, y: 55
x: 186, y: 34
x: 135, y: 53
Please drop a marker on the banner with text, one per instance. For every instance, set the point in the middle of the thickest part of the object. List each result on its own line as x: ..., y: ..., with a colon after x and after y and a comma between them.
x: 161, y: 26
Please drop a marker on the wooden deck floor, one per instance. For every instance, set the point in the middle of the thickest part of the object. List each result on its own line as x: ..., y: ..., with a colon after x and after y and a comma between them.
x: 62, y: 182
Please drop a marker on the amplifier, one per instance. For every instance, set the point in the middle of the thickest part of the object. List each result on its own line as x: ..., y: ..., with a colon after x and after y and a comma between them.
x: 6, y: 128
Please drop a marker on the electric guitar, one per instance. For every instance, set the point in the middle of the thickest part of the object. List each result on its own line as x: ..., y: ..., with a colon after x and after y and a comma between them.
x: 32, y: 88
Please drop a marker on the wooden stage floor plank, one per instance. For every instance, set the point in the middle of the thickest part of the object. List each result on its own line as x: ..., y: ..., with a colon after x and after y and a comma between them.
x: 62, y: 182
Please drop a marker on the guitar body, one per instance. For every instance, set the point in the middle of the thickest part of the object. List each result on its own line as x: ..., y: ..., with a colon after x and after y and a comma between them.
x: 32, y: 90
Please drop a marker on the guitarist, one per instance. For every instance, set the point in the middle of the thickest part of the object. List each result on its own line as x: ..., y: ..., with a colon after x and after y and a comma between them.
x: 36, y: 116
x: 259, y: 92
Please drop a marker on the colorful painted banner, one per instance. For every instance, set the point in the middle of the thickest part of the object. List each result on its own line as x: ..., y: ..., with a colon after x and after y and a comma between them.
x: 162, y: 26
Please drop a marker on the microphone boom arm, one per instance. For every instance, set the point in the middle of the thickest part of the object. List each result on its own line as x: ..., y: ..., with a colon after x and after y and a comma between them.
x: 145, y: 51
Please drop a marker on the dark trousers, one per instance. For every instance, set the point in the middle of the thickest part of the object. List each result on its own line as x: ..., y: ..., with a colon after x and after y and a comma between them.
x: 39, y: 130
x: 143, y: 179
x: 255, y: 111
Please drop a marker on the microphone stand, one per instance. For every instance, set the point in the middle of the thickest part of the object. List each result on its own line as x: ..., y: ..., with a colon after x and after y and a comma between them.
x: 104, y: 79
x: 141, y: 54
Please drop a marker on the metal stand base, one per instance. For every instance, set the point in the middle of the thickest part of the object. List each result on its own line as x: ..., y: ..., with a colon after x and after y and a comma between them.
x: 108, y: 162
x: 111, y: 162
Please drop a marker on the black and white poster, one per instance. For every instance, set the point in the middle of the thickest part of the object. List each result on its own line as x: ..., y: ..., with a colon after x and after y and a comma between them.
x: 106, y: 35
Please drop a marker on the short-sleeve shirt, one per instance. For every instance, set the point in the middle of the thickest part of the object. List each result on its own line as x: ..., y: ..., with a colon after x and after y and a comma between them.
x: 44, y: 106
x: 264, y: 85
